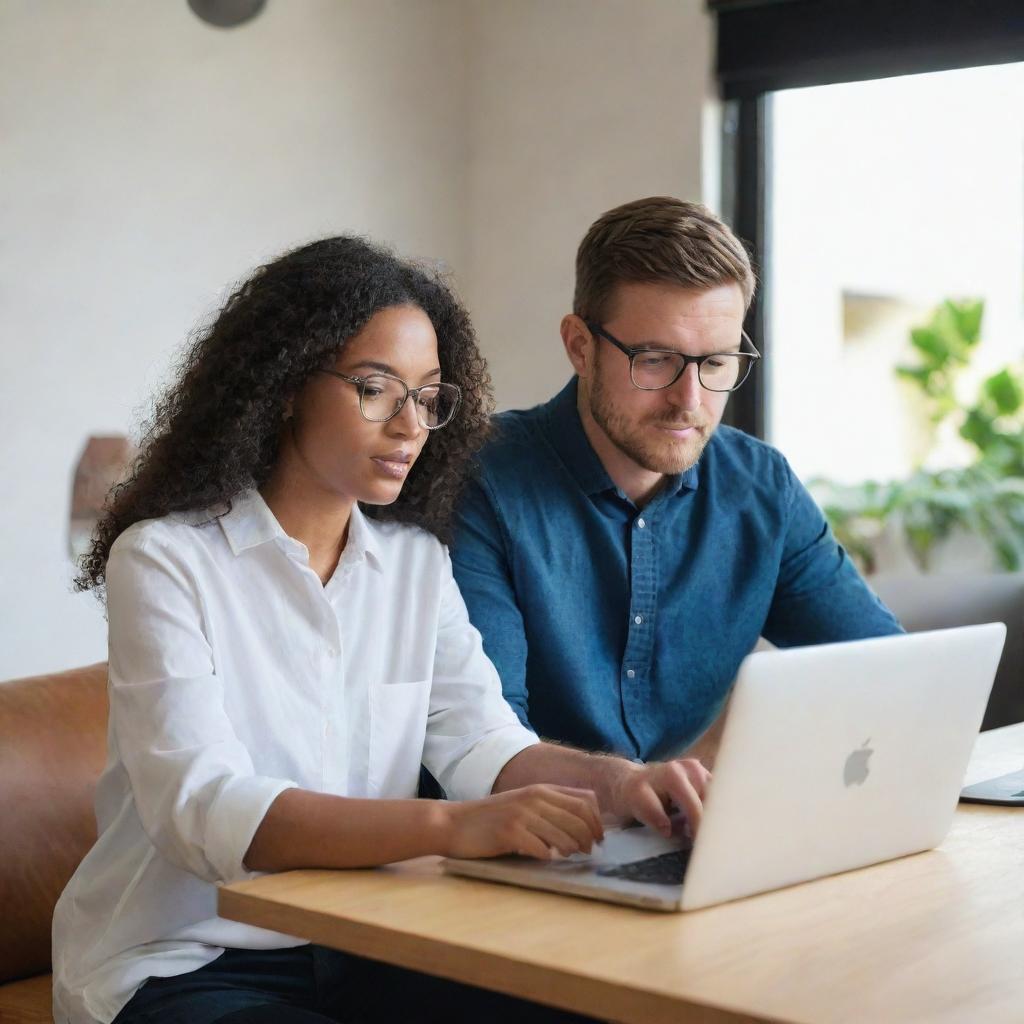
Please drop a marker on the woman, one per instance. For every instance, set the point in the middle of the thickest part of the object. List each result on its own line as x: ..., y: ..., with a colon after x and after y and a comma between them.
x: 282, y: 661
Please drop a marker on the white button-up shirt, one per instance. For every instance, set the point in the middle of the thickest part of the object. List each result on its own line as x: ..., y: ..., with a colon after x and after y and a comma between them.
x: 235, y: 674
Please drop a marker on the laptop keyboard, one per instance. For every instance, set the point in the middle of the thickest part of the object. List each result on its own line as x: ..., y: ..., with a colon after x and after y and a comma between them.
x: 665, y: 869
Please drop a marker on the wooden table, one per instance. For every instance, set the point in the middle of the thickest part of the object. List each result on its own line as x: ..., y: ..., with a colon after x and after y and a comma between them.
x: 933, y: 938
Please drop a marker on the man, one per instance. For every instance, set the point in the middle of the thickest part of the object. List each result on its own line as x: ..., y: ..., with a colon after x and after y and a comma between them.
x: 620, y: 551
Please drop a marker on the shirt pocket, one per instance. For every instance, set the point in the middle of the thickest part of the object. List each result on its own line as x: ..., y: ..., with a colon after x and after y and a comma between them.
x: 398, y: 728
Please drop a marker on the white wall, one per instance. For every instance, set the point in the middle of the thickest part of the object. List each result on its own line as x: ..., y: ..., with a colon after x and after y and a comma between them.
x: 148, y: 160
x: 578, y: 105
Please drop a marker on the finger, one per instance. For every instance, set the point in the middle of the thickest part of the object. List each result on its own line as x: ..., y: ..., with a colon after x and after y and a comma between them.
x: 529, y: 845
x: 681, y: 791
x: 554, y: 836
x: 699, y: 775
x: 590, y: 810
x: 646, y: 806
x: 583, y: 804
x: 571, y: 821
x: 580, y: 794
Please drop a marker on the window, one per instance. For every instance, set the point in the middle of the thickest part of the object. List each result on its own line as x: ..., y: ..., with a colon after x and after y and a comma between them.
x: 887, y: 197
x: 770, y: 49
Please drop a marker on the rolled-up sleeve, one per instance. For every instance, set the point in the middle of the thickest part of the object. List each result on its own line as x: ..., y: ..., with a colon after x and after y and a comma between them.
x: 193, y: 782
x: 472, y: 732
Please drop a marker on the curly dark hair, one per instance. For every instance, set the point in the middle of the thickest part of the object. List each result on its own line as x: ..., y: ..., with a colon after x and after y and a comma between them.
x: 215, y: 432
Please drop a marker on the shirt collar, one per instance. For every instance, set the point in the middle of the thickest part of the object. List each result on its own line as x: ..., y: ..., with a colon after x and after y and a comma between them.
x: 567, y: 437
x: 364, y: 539
x: 249, y: 523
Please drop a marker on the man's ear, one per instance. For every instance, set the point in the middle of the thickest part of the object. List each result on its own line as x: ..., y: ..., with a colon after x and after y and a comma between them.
x: 579, y: 345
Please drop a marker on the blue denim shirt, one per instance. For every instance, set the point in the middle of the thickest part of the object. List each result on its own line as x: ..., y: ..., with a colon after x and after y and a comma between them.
x: 622, y: 629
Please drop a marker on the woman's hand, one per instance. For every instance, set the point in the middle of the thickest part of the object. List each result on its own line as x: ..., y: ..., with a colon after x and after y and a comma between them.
x: 536, y: 821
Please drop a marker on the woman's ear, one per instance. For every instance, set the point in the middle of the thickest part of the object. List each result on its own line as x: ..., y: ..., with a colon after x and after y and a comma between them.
x: 289, y: 410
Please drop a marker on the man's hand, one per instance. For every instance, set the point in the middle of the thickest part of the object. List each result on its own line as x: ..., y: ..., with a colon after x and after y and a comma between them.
x: 645, y: 792
x: 649, y: 792
x: 536, y: 821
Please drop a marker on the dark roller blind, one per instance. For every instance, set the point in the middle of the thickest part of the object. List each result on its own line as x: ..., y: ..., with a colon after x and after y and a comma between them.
x: 764, y: 45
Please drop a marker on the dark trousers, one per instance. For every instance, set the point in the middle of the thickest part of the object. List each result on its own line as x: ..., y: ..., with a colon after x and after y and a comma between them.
x: 314, y: 985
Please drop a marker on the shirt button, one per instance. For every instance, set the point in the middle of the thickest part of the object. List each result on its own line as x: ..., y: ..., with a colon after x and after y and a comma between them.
x: 640, y: 524
x: 332, y: 652
x: 630, y: 673
x: 638, y: 619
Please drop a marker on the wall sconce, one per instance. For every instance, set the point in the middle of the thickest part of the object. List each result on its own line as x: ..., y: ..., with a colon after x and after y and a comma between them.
x: 103, y: 463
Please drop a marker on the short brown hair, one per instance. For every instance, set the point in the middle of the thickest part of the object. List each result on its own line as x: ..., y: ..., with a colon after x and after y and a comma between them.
x: 657, y: 239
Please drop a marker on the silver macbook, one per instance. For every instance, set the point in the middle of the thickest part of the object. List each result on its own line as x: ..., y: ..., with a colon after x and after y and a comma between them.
x: 832, y: 758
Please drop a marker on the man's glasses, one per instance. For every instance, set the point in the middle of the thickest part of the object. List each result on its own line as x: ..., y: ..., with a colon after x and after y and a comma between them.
x: 654, y: 369
x: 381, y: 397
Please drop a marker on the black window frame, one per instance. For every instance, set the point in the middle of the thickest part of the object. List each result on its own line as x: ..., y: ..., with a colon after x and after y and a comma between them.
x: 764, y: 46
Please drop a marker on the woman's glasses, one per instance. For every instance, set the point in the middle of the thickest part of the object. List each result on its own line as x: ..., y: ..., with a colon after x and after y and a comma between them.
x: 382, y: 397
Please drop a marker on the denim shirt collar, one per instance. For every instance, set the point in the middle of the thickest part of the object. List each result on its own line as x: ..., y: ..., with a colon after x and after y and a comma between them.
x: 566, y: 435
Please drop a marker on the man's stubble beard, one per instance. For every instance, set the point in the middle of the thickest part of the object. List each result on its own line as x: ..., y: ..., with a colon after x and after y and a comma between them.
x: 628, y: 438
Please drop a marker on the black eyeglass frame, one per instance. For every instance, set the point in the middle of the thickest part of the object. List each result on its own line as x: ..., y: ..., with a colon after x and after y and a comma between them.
x: 753, y: 356
x: 360, y: 382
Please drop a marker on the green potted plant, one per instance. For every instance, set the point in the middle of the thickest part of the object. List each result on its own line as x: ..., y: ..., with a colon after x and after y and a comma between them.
x: 984, y: 498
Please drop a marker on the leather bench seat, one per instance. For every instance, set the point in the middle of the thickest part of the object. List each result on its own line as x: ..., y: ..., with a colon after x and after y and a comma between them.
x: 53, y: 746
x: 27, y: 1001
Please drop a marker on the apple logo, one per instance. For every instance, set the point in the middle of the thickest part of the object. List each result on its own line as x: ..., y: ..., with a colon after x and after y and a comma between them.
x: 856, y: 770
